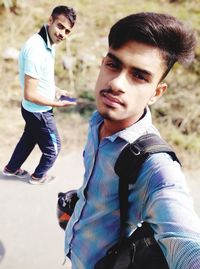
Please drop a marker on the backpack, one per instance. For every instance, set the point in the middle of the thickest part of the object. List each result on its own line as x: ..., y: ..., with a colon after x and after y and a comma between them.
x: 140, y: 250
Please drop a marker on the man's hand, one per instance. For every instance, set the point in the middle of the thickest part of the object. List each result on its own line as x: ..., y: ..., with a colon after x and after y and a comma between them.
x: 65, y: 103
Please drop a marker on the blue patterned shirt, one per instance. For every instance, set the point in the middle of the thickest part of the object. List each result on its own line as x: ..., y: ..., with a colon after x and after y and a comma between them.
x: 160, y: 197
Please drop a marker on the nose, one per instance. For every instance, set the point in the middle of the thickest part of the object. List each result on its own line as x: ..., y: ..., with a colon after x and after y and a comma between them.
x: 118, y: 83
x: 62, y: 33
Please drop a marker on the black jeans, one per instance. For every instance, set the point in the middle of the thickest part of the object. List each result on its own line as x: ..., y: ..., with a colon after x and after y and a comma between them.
x: 39, y: 129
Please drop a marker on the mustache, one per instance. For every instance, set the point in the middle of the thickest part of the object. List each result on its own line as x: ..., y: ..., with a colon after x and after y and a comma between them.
x: 108, y: 90
x: 114, y: 95
x: 60, y: 36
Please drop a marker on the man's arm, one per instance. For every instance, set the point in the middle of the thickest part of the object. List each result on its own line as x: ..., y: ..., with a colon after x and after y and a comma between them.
x: 31, y: 94
x: 169, y: 210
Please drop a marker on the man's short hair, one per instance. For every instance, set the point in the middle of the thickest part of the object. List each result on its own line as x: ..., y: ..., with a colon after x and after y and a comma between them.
x: 68, y: 12
x: 163, y: 31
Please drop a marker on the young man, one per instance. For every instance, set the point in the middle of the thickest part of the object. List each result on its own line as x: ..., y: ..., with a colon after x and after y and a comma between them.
x: 142, y: 49
x: 36, y: 66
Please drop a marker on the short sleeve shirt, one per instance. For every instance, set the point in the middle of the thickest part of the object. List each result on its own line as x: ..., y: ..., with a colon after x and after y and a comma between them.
x: 36, y: 60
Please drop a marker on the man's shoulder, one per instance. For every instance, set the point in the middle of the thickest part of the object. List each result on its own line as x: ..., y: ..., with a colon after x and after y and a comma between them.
x: 34, y: 43
x: 147, y: 154
x: 160, y: 159
x: 161, y: 168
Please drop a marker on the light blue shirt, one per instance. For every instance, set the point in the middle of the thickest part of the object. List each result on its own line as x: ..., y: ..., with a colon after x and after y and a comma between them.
x: 160, y: 197
x: 36, y: 60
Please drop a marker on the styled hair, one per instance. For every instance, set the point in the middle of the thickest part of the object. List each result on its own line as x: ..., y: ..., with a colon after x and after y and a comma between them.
x: 171, y: 36
x: 68, y: 12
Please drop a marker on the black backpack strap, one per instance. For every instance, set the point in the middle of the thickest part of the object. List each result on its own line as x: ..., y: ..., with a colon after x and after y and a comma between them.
x: 129, y: 163
x: 133, y: 155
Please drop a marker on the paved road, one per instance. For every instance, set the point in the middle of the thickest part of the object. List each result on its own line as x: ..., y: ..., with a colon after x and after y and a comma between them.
x: 29, y: 233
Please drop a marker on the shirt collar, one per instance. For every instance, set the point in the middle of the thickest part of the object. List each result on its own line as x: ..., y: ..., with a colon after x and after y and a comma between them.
x: 44, y: 34
x: 139, y: 128
x: 131, y: 133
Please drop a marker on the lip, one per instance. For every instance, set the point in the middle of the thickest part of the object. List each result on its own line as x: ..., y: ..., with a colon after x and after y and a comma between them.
x: 110, y: 100
x: 58, y: 38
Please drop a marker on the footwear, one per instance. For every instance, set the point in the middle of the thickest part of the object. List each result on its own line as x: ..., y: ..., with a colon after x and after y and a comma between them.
x: 20, y: 173
x: 40, y: 181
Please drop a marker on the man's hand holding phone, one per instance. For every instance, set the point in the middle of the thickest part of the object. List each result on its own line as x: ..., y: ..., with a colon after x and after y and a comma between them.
x: 67, y: 100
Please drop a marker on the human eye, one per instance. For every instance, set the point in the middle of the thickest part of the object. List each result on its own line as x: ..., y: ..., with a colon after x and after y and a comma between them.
x: 67, y: 31
x: 139, y: 76
x: 111, y: 64
x: 60, y: 26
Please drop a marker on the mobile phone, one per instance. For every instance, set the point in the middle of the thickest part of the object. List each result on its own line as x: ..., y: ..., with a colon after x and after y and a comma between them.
x: 67, y: 98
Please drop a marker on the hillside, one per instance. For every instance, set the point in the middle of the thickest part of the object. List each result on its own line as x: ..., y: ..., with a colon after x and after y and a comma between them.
x: 177, y: 115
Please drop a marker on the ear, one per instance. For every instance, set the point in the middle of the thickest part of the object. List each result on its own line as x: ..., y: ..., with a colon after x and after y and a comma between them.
x: 103, y: 60
x: 161, y: 88
x: 50, y: 21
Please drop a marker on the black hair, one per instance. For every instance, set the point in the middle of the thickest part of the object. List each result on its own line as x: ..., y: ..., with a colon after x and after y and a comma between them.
x: 68, y: 12
x: 171, y: 36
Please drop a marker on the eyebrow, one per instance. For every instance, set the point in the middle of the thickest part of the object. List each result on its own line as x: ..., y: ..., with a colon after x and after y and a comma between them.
x: 113, y: 57
x: 118, y: 61
x: 68, y: 29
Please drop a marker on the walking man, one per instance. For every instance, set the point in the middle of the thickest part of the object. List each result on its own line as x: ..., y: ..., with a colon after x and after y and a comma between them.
x: 36, y: 66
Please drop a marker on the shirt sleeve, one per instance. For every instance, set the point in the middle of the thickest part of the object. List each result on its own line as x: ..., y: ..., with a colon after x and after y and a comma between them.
x: 169, y: 209
x: 33, y: 63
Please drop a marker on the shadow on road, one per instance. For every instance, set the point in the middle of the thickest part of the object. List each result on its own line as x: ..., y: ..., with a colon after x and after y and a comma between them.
x: 13, y: 178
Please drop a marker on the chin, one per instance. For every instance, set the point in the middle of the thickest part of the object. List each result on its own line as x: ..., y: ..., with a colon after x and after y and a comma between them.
x: 108, y: 116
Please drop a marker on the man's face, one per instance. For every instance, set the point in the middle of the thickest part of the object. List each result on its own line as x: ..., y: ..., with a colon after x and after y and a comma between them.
x: 129, y: 81
x: 58, y: 29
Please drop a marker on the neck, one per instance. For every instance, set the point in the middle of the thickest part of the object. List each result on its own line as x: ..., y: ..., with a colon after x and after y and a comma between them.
x: 110, y: 127
x: 47, y: 31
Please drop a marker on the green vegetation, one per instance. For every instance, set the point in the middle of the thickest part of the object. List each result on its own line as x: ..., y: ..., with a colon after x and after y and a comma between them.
x: 177, y: 114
